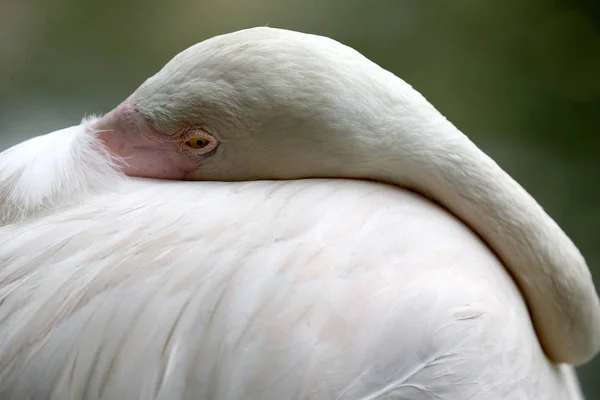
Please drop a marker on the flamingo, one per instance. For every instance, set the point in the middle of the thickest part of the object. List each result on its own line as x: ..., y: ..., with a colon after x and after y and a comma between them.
x: 320, y: 275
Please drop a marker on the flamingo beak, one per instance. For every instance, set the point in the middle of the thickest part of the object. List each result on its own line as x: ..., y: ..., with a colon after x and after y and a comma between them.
x: 145, y: 152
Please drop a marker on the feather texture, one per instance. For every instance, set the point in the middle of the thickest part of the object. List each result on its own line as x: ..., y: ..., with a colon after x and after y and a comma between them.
x: 307, y: 289
x: 54, y: 170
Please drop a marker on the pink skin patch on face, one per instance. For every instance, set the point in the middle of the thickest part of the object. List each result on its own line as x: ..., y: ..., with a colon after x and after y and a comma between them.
x: 146, y: 152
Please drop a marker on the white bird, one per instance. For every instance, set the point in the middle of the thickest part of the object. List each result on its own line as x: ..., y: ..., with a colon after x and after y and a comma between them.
x: 262, y: 290
x: 352, y: 289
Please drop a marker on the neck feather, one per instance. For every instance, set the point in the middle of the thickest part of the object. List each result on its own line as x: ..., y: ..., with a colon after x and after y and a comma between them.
x: 434, y: 158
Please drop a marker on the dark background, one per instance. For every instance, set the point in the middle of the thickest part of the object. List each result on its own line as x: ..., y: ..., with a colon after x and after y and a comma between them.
x: 520, y: 77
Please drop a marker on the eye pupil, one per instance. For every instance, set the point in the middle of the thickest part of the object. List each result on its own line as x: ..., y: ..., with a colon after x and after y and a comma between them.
x: 199, y: 142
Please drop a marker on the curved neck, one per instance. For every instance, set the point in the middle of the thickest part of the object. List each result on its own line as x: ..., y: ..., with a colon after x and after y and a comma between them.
x: 437, y: 160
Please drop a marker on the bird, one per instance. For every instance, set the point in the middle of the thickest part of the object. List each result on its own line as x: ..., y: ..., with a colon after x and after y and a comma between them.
x: 271, y: 105
x: 272, y: 289
x: 267, y: 103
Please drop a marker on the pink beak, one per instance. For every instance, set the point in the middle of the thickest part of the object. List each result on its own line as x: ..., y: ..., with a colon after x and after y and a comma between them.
x: 146, y: 152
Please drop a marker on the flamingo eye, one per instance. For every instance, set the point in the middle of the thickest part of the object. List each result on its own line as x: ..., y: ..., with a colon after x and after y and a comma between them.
x: 198, y: 142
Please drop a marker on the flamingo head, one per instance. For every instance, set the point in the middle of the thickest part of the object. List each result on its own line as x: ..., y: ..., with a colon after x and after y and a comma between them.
x: 260, y: 103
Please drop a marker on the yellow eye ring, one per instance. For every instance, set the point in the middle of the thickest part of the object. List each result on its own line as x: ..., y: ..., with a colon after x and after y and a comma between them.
x: 197, y: 142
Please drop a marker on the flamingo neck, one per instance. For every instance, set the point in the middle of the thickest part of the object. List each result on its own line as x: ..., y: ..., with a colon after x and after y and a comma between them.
x: 440, y: 162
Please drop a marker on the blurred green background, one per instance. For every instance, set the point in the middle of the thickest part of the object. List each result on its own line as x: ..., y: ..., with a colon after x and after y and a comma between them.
x: 520, y: 77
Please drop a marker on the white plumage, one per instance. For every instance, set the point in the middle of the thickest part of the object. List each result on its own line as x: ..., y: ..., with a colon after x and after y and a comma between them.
x: 119, y: 287
x: 263, y: 290
x: 51, y: 171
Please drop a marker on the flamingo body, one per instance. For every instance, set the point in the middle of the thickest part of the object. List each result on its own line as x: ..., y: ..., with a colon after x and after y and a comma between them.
x: 132, y: 295
x: 112, y: 286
